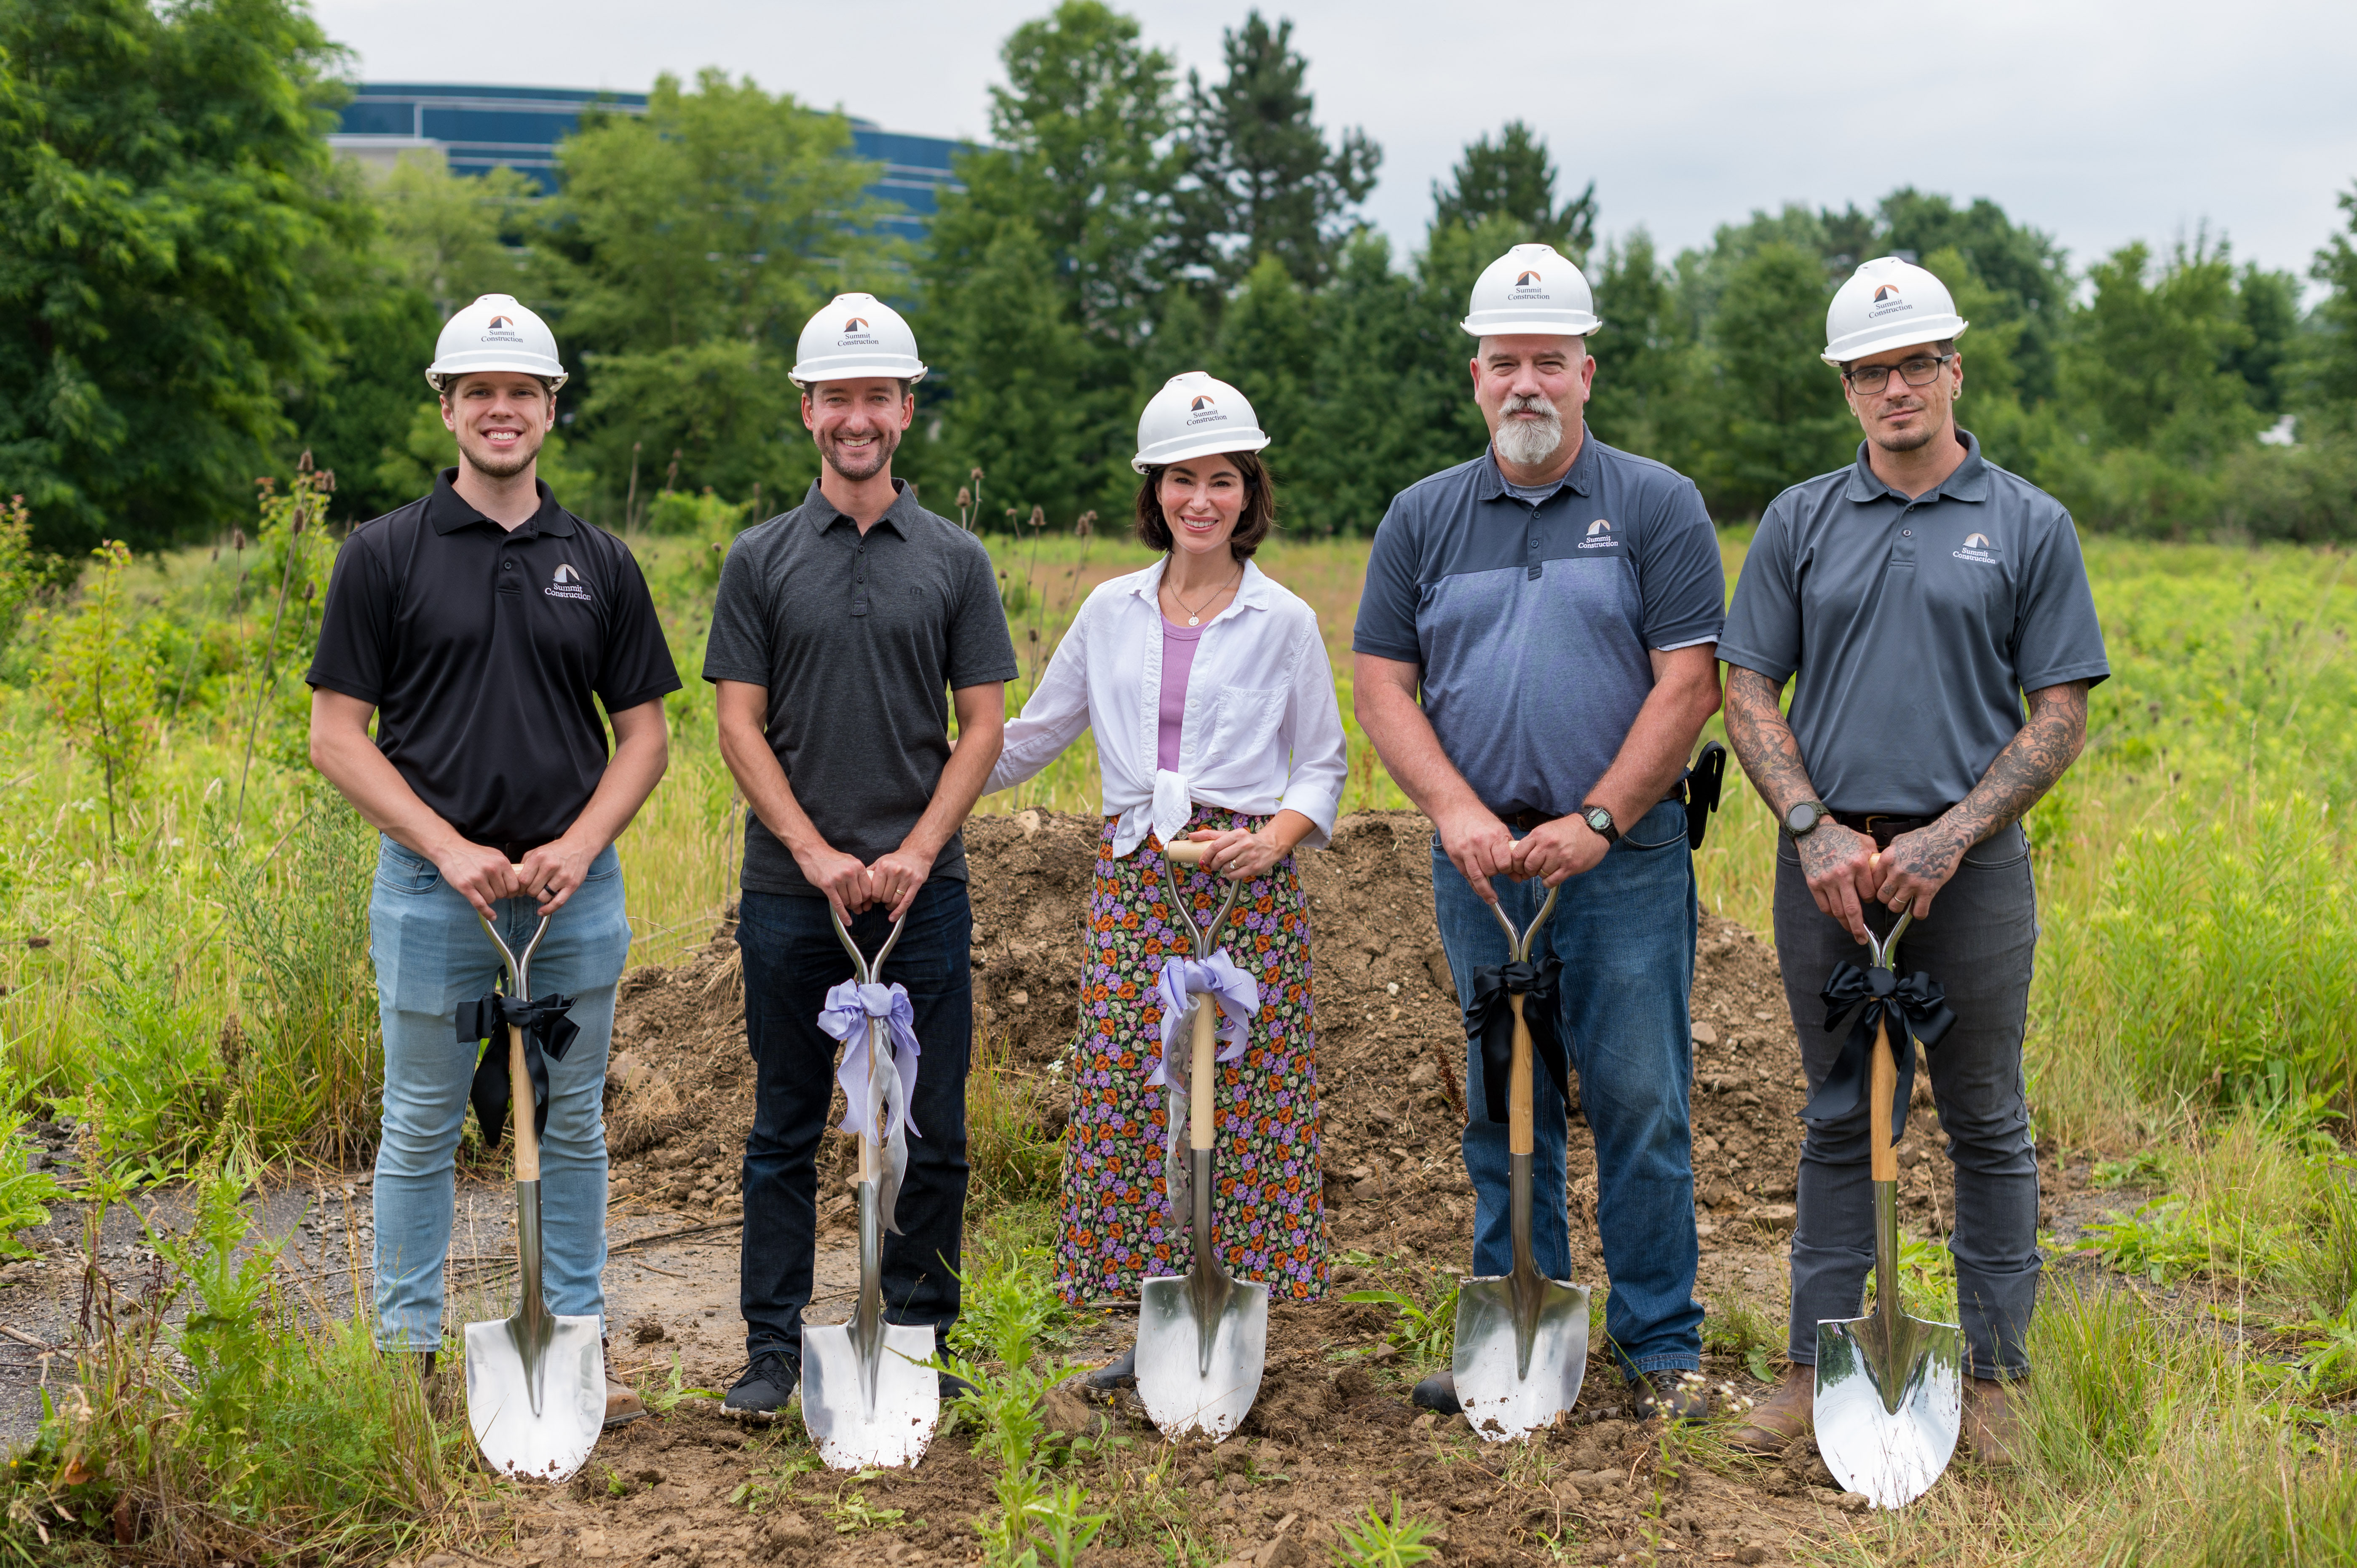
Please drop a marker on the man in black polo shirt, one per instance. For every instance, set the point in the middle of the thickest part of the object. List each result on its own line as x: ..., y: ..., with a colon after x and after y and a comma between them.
x: 482, y: 627
x: 1921, y: 596
x: 842, y: 632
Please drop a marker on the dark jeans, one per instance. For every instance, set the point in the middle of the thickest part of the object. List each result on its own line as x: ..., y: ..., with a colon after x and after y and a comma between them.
x: 1977, y: 943
x: 1625, y: 932
x: 792, y: 959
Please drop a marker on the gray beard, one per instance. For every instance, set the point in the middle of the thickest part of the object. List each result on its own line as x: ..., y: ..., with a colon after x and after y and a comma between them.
x: 1529, y: 443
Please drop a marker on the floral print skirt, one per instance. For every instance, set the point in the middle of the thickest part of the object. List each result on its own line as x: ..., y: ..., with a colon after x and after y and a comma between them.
x: 1267, y: 1212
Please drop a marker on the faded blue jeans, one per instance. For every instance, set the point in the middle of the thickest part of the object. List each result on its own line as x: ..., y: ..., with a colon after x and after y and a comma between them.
x: 1625, y: 932
x: 431, y: 955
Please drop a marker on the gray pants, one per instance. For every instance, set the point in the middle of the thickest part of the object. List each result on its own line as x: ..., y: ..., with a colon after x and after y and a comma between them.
x: 1977, y: 943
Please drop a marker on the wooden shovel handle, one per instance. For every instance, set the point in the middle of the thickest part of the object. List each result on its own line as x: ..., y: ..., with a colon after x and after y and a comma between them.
x: 520, y: 1110
x: 1198, y: 1078
x: 1521, y: 1136
x: 1187, y: 852
x: 1883, y: 1083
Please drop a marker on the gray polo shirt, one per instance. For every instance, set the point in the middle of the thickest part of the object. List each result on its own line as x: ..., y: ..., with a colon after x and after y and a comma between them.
x: 1531, y: 619
x: 859, y: 640
x: 1916, y: 624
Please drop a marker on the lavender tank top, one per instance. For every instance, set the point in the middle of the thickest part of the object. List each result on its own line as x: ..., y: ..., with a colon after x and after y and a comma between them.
x: 1178, y: 643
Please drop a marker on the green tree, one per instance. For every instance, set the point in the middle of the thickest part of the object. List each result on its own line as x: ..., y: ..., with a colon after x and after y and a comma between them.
x: 169, y: 192
x: 2331, y: 371
x: 1262, y: 179
x: 2150, y: 362
x: 1771, y: 410
x: 2022, y: 268
x: 2268, y: 303
x: 1645, y: 356
x: 453, y: 237
x: 1268, y: 348
x: 1514, y: 178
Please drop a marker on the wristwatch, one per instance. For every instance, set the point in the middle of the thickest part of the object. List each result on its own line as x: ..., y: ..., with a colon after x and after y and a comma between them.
x: 1600, y: 821
x: 1803, y: 819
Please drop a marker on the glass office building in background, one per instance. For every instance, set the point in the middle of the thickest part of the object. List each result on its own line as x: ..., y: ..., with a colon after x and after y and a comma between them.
x: 479, y: 128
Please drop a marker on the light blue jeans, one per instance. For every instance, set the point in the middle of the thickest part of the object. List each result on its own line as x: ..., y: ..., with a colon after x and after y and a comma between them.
x: 1625, y: 932
x: 431, y: 955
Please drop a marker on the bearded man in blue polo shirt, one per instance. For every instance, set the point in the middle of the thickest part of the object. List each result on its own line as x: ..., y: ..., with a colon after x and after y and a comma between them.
x: 1556, y: 603
x: 1920, y: 596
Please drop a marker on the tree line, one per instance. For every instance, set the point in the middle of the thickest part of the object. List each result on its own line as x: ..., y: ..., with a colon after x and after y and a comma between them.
x: 194, y: 291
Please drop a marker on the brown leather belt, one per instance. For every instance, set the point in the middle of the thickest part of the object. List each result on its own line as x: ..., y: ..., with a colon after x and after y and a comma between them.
x: 1882, y: 827
x: 1525, y: 820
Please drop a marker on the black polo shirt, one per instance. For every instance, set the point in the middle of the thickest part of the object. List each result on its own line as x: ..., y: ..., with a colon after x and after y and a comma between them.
x: 482, y: 648
x: 859, y: 639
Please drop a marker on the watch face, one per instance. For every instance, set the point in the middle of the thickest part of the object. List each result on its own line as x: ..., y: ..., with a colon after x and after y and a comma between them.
x: 1598, y: 818
x: 1803, y: 817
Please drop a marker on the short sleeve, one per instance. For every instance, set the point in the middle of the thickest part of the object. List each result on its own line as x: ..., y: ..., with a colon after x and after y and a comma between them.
x: 737, y: 647
x: 637, y: 667
x: 1387, y: 625
x: 1681, y: 583
x: 981, y: 650
x: 1763, y: 623
x: 2056, y: 638
x: 355, y: 625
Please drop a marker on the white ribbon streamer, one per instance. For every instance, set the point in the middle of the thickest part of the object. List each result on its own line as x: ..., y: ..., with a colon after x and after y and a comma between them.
x: 852, y: 1012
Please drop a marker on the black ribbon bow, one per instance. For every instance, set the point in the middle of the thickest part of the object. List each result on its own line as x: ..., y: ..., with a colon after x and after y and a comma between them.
x: 548, y: 1034
x: 1915, y: 1008
x: 1490, y: 1018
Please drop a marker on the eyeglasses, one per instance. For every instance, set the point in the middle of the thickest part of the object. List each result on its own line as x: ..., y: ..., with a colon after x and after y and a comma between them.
x: 1916, y: 372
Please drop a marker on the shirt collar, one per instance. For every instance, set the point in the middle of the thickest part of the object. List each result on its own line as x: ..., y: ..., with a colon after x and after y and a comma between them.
x: 1256, y: 592
x: 448, y: 511
x: 1580, y: 479
x: 1969, y: 482
x: 900, y: 515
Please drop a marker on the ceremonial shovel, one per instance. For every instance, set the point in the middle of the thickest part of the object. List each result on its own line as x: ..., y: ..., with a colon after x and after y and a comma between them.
x: 1889, y: 1389
x: 870, y: 1395
x: 1521, y: 1339
x: 535, y: 1382
x: 1203, y: 1338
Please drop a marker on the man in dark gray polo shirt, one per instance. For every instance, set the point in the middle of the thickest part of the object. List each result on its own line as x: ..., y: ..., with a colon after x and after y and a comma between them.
x: 1556, y: 603
x: 843, y: 633
x: 1919, y: 594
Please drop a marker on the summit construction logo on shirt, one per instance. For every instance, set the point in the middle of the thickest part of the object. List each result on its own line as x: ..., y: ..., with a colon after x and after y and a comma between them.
x: 1600, y: 536
x: 567, y: 583
x: 1976, y: 547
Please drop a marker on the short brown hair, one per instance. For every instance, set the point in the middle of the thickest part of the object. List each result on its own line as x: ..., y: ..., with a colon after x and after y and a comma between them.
x: 1252, y: 526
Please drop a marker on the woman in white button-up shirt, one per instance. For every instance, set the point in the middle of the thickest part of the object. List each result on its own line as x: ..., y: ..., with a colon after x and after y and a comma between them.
x: 1213, y: 701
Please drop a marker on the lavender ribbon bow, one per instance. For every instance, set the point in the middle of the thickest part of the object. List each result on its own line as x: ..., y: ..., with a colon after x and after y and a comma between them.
x: 1238, y: 996
x: 851, y: 1014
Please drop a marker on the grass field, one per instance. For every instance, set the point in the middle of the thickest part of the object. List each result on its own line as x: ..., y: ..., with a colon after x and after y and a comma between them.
x: 185, y: 969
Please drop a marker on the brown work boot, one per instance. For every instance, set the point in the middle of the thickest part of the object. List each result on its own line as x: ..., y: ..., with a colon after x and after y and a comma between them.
x: 1788, y: 1412
x: 623, y: 1405
x: 1992, y: 1424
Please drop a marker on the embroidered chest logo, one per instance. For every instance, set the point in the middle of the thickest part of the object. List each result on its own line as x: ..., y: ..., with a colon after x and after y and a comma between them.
x: 567, y: 583
x: 1977, y: 548
x: 1600, y: 536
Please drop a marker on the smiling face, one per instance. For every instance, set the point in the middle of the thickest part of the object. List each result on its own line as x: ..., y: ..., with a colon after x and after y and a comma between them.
x: 1201, y: 500
x: 1533, y: 388
x: 857, y: 424
x: 501, y: 418
x: 1902, y: 418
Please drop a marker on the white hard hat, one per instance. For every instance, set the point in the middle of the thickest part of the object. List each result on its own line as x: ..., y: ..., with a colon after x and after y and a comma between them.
x: 1195, y: 415
x: 857, y: 335
x: 1888, y: 303
x: 495, y: 333
x: 1531, y: 288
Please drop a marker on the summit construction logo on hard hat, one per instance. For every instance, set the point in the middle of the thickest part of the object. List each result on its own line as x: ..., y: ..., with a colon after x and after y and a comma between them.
x: 566, y: 582
x: 499, y: 321
x: 1887, y: 302
x: 1203, y: 411
x: 1977, y: 548
x: 1526, y: 280
x: 1600, y: 536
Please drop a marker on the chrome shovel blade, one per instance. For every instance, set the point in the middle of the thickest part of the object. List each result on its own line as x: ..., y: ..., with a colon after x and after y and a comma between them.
x: 1889, y: 1394
x: 852, y: 1431
x: 1193, y: 1380
x: 553, y: 1442
x: 1513, y: 1378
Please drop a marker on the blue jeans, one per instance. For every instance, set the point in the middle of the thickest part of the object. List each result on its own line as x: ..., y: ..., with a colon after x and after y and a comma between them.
x: 431, y: 955
x: 1625, y: 932
x: 792, y: 959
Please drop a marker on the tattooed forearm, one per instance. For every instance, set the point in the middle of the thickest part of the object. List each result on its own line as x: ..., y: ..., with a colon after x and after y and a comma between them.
x: 2041, y: 752
x: 1763, y: 741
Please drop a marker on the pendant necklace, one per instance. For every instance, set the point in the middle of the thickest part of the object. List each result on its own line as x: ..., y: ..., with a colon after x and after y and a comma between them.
x: 1194, y: 616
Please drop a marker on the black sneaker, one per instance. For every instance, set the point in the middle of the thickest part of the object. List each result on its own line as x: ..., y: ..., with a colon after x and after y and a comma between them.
x: 1673, y: 1394
x: 954, y: 1387
x: 766, y: 1386
x: 1438, y: 1392
x: 1119, y: 1373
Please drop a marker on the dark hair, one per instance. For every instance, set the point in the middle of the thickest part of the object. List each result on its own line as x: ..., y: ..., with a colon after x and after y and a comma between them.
x: 1253, y: 525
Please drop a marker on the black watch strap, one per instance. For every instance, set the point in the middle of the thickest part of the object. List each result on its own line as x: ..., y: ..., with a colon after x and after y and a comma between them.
x: 1607, y: 829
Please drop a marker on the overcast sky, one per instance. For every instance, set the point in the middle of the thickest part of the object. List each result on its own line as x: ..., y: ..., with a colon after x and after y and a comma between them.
x: 2098, y: 122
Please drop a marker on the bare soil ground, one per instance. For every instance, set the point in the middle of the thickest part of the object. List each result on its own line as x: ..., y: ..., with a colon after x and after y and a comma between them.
x: 1333, y: 1431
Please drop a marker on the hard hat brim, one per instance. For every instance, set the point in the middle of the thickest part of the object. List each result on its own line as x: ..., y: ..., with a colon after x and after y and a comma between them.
x: 1528, y: 327
x: 809, y: 373
x: 1858, y: 345
x: 1166, y: 453
x: 440, y: 375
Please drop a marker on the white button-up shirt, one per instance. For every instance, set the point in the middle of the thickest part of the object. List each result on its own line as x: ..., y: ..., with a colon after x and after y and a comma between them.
x: 1261, y: 731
